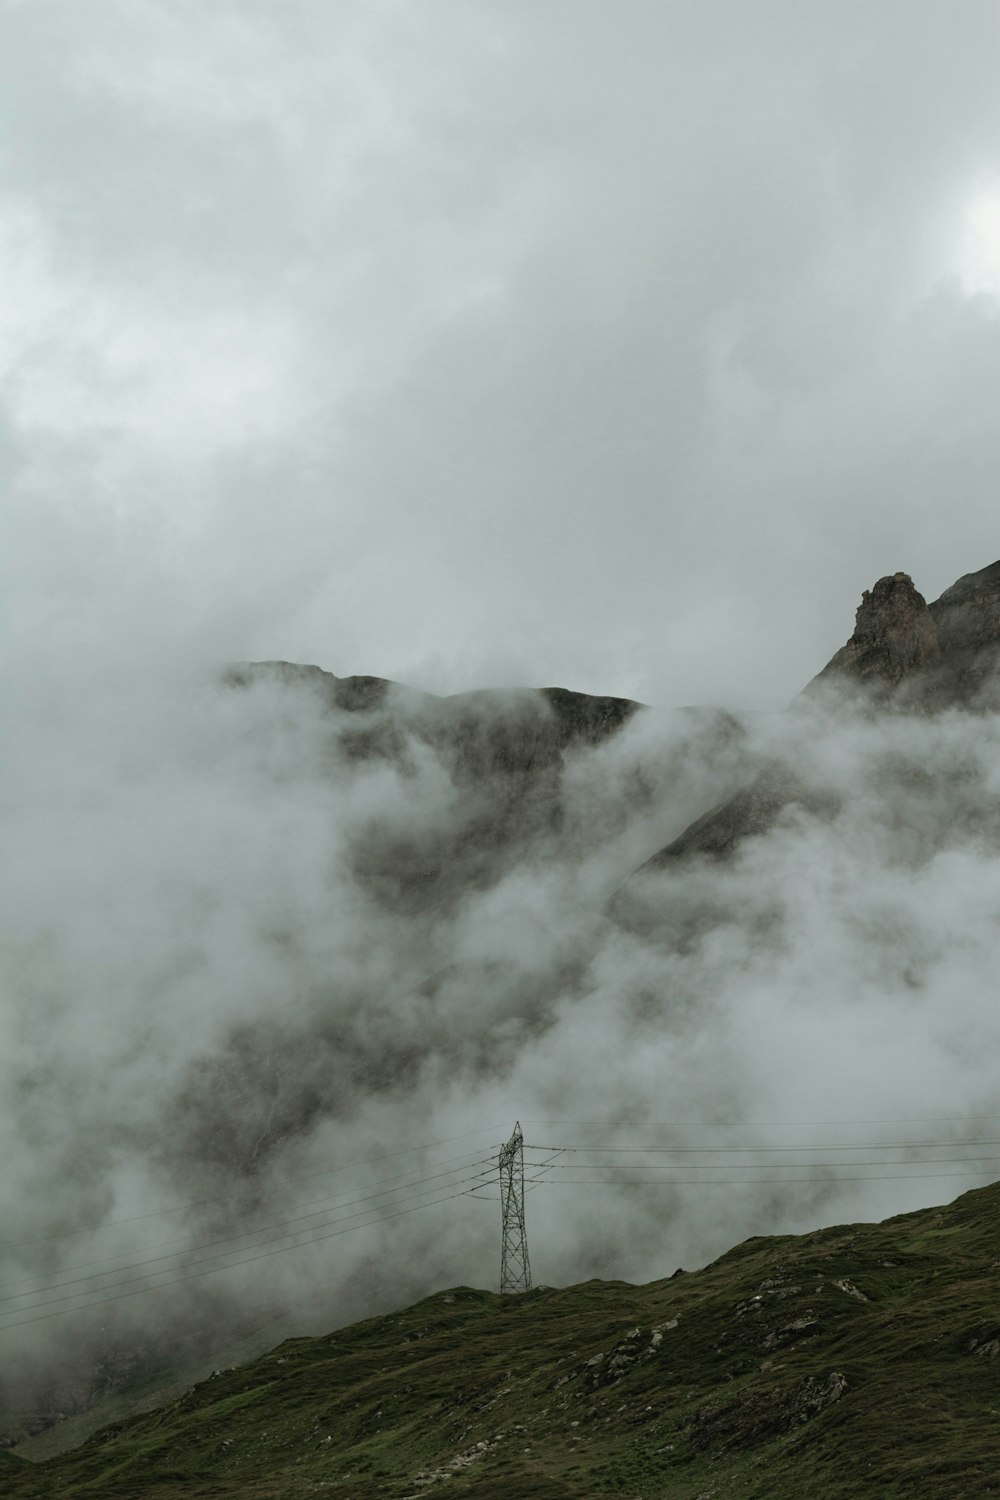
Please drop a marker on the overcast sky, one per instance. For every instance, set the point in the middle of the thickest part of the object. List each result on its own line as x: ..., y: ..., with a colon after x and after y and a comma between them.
x: 617, y: 346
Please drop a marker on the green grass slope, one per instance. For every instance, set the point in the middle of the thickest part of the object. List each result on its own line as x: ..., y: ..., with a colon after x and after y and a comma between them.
x: 855, y: 1361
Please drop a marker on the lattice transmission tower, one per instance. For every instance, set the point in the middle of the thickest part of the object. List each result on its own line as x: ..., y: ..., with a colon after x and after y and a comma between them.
x: 515, y: 1269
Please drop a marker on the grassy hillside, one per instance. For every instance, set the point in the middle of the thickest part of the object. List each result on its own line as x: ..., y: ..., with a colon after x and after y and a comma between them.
x: 860, y: 1360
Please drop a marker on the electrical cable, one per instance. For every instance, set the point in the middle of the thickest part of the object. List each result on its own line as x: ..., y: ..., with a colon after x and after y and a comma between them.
x: 177, y: 1208
x: 742, y: 1150
x: 748, y: 1181
x: 751, y: 1166
x: 394, y: 1184
x: 234, y: 1259
x: 764, y: 1124
x: 541, y: 1168
x: 466, y: 1135
x: 203, y: 1260
x: 248, y: 1261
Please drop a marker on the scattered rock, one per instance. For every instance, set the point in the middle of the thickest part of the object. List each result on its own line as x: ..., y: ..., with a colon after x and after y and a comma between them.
x: 607, y: 1368
x: 753, y: 1416
x: 815, y: 1395
x: 750, y: 1305
x: 844, y: 1285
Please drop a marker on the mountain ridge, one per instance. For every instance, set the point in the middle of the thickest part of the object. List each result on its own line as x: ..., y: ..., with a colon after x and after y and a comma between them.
x: 904, y: 655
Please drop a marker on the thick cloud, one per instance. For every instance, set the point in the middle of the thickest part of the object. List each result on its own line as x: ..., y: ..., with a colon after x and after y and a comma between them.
x: 269, y: 960
x: 472, y: 344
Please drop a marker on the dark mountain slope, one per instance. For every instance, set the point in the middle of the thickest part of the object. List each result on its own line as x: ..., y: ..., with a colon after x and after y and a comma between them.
x: 490, y: 730
x: 967, y: 619
x: 753, y: 810
x: 503, y: 751
x: 854, y: 1361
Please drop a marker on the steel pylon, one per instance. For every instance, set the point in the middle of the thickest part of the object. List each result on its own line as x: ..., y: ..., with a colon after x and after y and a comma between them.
x: 515, y: 1269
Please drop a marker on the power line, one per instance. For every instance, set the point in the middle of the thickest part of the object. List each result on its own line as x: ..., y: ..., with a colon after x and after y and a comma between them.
x: 224, y: 1255
x: 467, y: 1135
x: 751, y: 1166
x: 741, y: 1150
x: 764, y: 1124
x: 746, y: 1181
x: 472, y: 1186
x: 333, y: 1206
x: 177, y: 1208
x: 396, y: 1184
x: 393, y: 1184
x: 235, y: 1265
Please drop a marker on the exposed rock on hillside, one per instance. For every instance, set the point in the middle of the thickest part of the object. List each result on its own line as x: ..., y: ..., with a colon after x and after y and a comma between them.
x: 904, y: 655
x: 909, y: 654
x: 894, y: 637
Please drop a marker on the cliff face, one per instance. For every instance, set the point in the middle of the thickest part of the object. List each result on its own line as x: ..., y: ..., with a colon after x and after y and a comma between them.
x: 909, y: 654
x: 894, y: 637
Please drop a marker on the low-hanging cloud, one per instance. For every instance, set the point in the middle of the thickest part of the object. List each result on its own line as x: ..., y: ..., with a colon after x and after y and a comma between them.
x: 257, y: 940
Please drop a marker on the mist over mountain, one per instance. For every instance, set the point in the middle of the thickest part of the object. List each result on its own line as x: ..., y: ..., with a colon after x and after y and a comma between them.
x: 278, y: 935
x: 903, y: 655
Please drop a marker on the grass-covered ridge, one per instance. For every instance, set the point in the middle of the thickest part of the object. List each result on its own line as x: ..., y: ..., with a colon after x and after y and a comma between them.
x: 855, y: 1361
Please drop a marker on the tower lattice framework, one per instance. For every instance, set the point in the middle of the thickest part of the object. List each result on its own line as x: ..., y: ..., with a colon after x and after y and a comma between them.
x: 515, y: 1268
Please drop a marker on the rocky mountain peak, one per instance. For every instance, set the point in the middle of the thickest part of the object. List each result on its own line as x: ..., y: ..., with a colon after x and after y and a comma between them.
x: 904, y: 654
x: 894, y: 635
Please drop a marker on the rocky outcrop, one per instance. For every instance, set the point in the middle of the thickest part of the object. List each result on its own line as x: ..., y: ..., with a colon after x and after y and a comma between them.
x: 894, y: 638
x: 751, y: 1417
x: 904, y: 654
